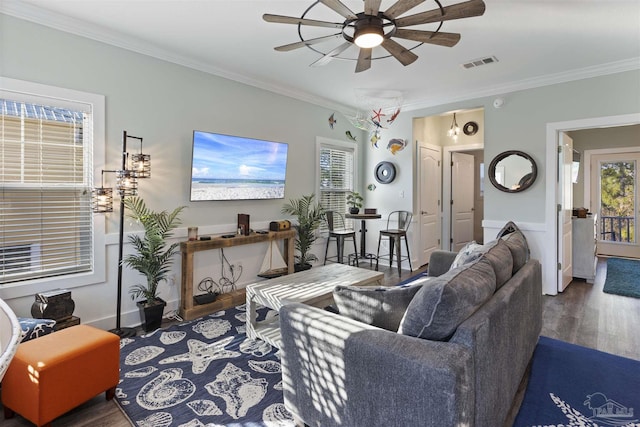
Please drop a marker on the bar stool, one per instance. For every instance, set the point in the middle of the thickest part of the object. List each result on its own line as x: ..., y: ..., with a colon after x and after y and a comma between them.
x: 395, y: 235
x: 338, y: 231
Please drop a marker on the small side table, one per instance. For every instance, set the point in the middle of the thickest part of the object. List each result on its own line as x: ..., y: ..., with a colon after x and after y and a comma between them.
x: 363, y: 234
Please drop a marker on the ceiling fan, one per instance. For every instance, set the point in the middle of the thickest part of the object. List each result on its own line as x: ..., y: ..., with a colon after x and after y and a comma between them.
x: 372, y: 27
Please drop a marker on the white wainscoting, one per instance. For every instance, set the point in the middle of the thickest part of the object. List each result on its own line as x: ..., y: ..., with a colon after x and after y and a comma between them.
x: 538, y: 236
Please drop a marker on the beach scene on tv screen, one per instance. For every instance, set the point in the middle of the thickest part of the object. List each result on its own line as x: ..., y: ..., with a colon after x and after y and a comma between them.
x: 228, y: 167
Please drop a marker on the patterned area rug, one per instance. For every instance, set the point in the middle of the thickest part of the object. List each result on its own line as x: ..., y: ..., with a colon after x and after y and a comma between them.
x: 204, y: 372
x: 577, y: 386
x: 622, y: 277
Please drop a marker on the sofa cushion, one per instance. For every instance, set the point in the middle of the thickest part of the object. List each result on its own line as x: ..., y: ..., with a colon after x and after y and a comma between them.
x: 446, y: 301
x: 380, y: 306
x: 517, y: 243
x: 498, y: 253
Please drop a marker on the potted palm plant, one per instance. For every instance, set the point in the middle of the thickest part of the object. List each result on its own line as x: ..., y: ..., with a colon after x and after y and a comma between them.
x: 309, y: 215
x: 354, y: 200
x: 152, y: 257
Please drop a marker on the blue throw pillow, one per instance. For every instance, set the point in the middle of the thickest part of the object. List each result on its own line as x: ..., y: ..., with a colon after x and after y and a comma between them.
x: 34, y: 328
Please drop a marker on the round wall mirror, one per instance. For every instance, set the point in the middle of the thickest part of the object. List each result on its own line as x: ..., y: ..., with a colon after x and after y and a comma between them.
x: 512, y: 171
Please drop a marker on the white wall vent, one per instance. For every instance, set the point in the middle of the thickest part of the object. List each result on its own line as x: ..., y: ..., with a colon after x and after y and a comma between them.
x: 479, y: 62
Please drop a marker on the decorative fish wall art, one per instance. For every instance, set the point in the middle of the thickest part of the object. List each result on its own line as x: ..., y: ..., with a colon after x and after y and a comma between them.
x: 396, y: 144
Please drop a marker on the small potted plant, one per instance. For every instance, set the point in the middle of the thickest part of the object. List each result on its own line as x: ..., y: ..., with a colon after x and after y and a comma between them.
x: 309, y: 215
x: 354, y: 200
x: 152, y: 258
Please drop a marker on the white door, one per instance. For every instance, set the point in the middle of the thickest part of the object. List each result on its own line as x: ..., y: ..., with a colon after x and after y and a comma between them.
x: 614, y: 188
x: 565, y: 194
x: 462, y: 187
x: 429, y: 188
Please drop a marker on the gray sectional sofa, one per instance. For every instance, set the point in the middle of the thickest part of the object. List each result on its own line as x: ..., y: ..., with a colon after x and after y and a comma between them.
x: 465, y: 335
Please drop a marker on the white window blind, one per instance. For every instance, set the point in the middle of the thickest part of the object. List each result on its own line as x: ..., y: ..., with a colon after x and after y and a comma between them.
x: 336, y: 177
x: 46, y: 226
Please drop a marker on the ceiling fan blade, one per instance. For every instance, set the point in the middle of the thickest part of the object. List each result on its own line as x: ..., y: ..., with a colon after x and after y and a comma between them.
x: 339, y: 8
x: 372, y: 7
x: 297, y: 45
x: 440, y: 39
x: 364, y: 60
x: 330, y: 55
x: 455, y: 11
x: 400, y: 7
x: 279, y: 19
x: 403, y: 55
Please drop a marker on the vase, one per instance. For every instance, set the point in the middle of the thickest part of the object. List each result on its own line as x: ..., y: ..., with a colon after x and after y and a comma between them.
x: 354, y: 211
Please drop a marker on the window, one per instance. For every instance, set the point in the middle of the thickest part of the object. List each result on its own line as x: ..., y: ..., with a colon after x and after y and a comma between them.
x: 46, y: 176
x: 337, y: 173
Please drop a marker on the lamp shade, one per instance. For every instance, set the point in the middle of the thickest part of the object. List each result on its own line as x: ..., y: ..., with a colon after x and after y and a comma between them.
x: 102, y: 199
x: 127, y: 183
x: 141, y: 164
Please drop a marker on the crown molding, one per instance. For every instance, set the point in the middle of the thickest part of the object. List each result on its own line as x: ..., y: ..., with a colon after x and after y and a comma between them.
x: 101, y: 34
x: 547, y: 80
x: 77, y: 27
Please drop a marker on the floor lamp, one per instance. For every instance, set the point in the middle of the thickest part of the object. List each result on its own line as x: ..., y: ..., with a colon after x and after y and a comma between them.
x: 102, y: 201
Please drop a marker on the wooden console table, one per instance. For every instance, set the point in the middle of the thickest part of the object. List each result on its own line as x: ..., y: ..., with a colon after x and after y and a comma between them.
x: 188, y: 310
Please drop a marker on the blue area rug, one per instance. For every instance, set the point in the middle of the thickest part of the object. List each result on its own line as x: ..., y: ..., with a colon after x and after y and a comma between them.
x: 572, y: 385
x: 202, y: 373
x: 623, y: 277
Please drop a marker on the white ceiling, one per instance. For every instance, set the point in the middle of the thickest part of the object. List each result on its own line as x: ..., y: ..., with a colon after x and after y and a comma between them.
x: 537, y: 42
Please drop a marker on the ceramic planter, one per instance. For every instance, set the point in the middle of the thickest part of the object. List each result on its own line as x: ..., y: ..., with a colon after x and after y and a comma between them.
x: 151, y: 314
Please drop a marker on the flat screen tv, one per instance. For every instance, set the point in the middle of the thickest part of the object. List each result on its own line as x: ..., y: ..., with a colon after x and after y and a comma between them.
x: 225, y: 167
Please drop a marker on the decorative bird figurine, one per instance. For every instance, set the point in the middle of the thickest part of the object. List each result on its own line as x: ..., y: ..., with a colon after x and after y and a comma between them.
x: 332, y: 120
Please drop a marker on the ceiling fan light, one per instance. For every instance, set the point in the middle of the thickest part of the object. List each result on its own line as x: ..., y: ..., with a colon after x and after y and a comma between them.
x: 369, y: 34
x: 369, y: 40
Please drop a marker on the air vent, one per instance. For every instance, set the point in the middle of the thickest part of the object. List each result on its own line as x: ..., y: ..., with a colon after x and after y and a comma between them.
x: 481, y: 61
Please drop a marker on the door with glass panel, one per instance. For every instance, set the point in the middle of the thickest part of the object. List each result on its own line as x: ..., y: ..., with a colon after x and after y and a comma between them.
x: 614, y: 186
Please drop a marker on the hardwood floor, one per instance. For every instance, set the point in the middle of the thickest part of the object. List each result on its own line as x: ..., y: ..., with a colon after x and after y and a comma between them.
x: 582, y: 315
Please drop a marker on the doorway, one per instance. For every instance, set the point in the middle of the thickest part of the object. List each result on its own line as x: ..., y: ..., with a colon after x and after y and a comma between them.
x: 614, y: 186
x: 434, y: 155
x: 549, y: 254
x: 463, y: 195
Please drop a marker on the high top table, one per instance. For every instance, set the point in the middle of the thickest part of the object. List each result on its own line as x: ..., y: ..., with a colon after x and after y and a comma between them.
x: 363, y: 217
x: 312, y: 287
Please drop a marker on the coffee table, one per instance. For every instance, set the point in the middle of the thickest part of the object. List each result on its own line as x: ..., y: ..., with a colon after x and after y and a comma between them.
x: 312, y: 287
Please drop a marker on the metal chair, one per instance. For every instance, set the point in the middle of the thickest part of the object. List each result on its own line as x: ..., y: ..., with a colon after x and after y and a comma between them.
x: 395, y: 235
x: 339, y: 232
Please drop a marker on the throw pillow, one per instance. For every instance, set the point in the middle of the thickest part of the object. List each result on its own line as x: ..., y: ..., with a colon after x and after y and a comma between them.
x: 469, y: 253
x: 381, y: 306
x: 35, y: 328
x: 446, y: 301
x: 517, y: 243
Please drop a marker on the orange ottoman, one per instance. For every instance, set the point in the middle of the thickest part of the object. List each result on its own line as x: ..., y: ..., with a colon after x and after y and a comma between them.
x: 53, y: 374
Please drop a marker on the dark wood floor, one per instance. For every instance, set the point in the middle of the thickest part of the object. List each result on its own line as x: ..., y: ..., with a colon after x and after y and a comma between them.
x: 582, y: 314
